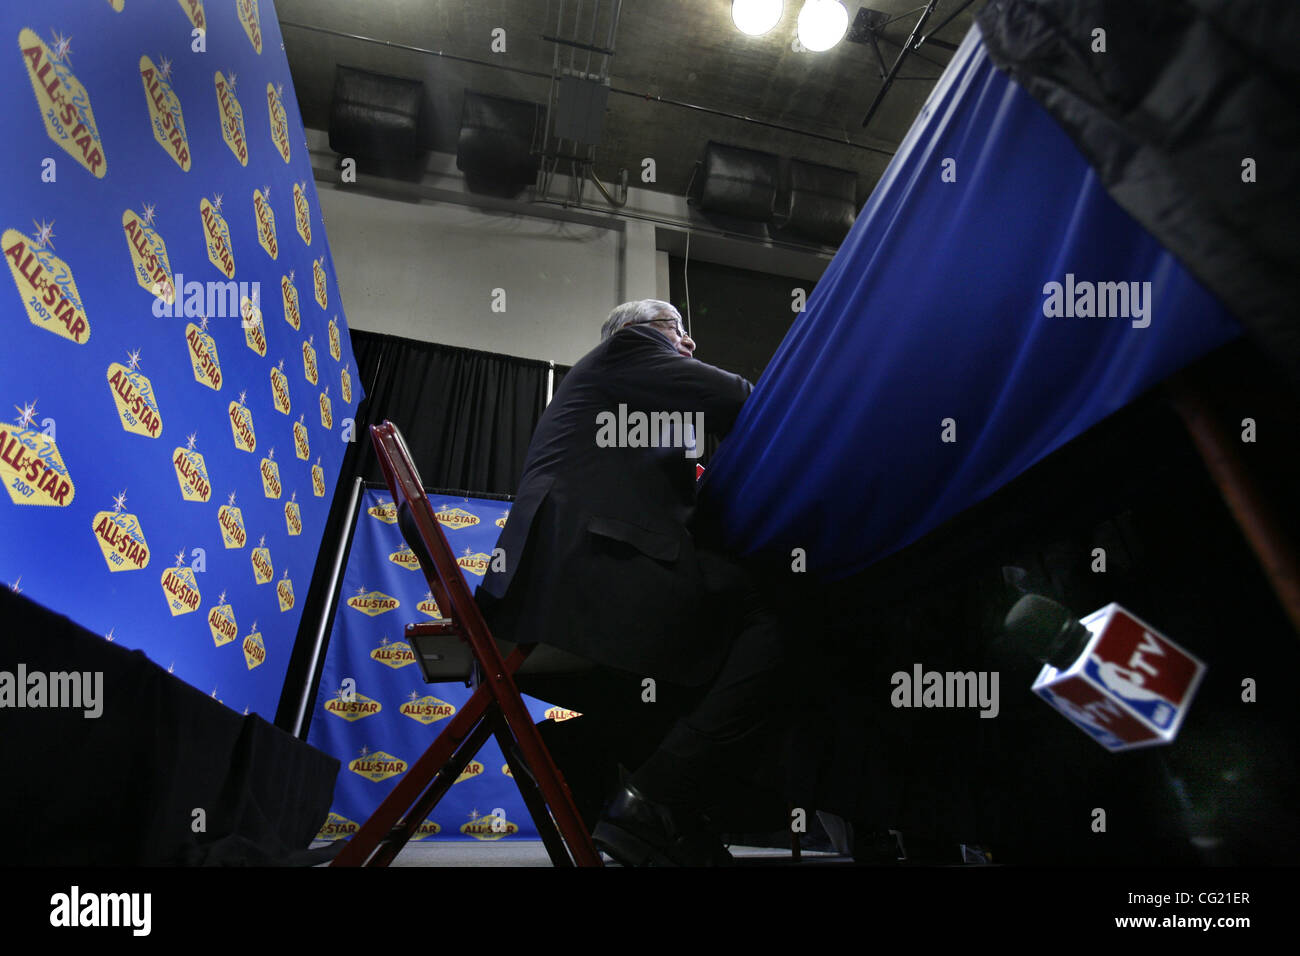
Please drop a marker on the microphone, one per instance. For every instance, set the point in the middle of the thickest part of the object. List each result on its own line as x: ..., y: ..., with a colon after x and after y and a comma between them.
x: 1111, y: 674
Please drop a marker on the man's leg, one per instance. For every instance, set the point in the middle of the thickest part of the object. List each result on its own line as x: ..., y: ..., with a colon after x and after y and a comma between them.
x: 720, y: 741
x: 617, y: 728
x: 726, y: 735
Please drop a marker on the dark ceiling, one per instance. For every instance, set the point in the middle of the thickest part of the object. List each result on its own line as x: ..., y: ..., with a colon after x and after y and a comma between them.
x: 753, y: 92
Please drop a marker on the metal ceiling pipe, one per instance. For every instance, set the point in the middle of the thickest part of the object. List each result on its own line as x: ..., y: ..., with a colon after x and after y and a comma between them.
x: 667, y: 100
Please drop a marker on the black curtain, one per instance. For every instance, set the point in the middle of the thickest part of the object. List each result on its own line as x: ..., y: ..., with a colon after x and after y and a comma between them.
x: 467, y: 418
x: 120, y: 789
x: 740, y: 316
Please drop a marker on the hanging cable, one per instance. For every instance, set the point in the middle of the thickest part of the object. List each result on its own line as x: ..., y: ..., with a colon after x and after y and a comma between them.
x: 686, y: 282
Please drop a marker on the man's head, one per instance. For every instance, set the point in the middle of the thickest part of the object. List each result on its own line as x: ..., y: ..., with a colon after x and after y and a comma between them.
x: 655, y: 313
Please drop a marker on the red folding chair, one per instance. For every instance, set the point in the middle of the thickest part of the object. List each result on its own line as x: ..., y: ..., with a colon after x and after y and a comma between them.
x: 461, y: 645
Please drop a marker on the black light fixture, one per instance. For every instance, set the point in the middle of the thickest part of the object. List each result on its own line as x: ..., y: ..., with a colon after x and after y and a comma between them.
x: 497, y: 150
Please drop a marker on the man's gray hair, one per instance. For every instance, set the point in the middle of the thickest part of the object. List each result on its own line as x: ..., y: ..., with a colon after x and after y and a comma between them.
x: 635, y: 313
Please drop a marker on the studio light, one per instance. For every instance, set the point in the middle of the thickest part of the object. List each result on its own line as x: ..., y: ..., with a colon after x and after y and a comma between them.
x: 822, y: 24
x: 756, y: 17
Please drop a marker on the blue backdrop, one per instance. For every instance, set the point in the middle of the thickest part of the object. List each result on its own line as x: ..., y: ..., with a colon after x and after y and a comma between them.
x: 380, y: 723
x: 168, y: 475
x: 936, y: 360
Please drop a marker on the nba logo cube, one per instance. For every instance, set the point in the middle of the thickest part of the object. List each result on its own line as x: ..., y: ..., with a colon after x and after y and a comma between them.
x: 1131, y: 687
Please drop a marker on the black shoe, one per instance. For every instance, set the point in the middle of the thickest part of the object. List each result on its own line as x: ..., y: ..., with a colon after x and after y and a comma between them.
x: 636, y: 831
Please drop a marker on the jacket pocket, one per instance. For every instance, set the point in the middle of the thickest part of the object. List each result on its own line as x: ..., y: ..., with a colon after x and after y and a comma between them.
x: 653, y: 544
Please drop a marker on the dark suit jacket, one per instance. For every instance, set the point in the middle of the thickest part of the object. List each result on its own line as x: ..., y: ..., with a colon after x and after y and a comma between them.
x: 599, y: 556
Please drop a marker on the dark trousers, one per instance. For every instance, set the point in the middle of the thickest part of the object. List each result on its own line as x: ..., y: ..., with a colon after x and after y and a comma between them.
x: 701, y: 749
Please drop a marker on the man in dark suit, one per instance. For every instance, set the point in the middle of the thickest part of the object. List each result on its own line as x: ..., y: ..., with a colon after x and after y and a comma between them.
x: 601, y: 561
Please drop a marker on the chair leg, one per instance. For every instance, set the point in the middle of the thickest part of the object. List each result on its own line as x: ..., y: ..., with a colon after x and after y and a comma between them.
x: 443, y: 782
x: 552, y: 786
x: 414, y: 782
x: 555, y: 846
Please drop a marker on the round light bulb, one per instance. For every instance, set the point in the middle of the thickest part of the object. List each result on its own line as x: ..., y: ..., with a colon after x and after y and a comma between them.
x: 822, y: 24
x: 756, y: 17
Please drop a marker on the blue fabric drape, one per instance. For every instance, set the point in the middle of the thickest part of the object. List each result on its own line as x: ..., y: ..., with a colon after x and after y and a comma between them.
x: 936, y: 308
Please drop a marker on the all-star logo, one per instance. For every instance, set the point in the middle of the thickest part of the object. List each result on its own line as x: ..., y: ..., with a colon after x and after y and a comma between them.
x: 474, y: 563
x: 149, y: 262
x: 203, y: 355
x: 289, y: 293
x: 337, y: 828
x: 404, y: 557
x: 318, y: 272
x: 372, y: 602
x: 427, y: 709
x: 251, y: 320
x: 269, y: 468
x: 385, y: 511
x: 279, y: 121
x: 45, y: 284
x: 165, y: 111
x: 254, y: 648
x: 336, y: 351
x: 560, y: 714
x: 280, y: 389
x: 221, y: 622
x: 455, y: 518
x: 180, y: 587
x: 326, y: 409
x: 252, y: 21
x: 241, y: 424
x: 232, y: 117
x: 352, y: 706
x: 191, y: 472
x: 377, y: 765
x: 301, y: 446
x: 216, y: 236
x: 263, y: 570
x: 284, y: 592
x: 231, y: 520
x: 293, y: 515
x: 30, y: 464
x: 137, y: 408
x: 309, y: 359
x: 345, y: 379
x: 194, y: 10
x: 395, y: 655
x: 302, y: 212
x: 318, y: 480
x: 430, y: 607
x: 120, y: 537
x: 426, y: 829
x: 488, y: 827
x: 501, y: 522
x: 265, y: 221
x: 472, y: 769
x: 63, y: 102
